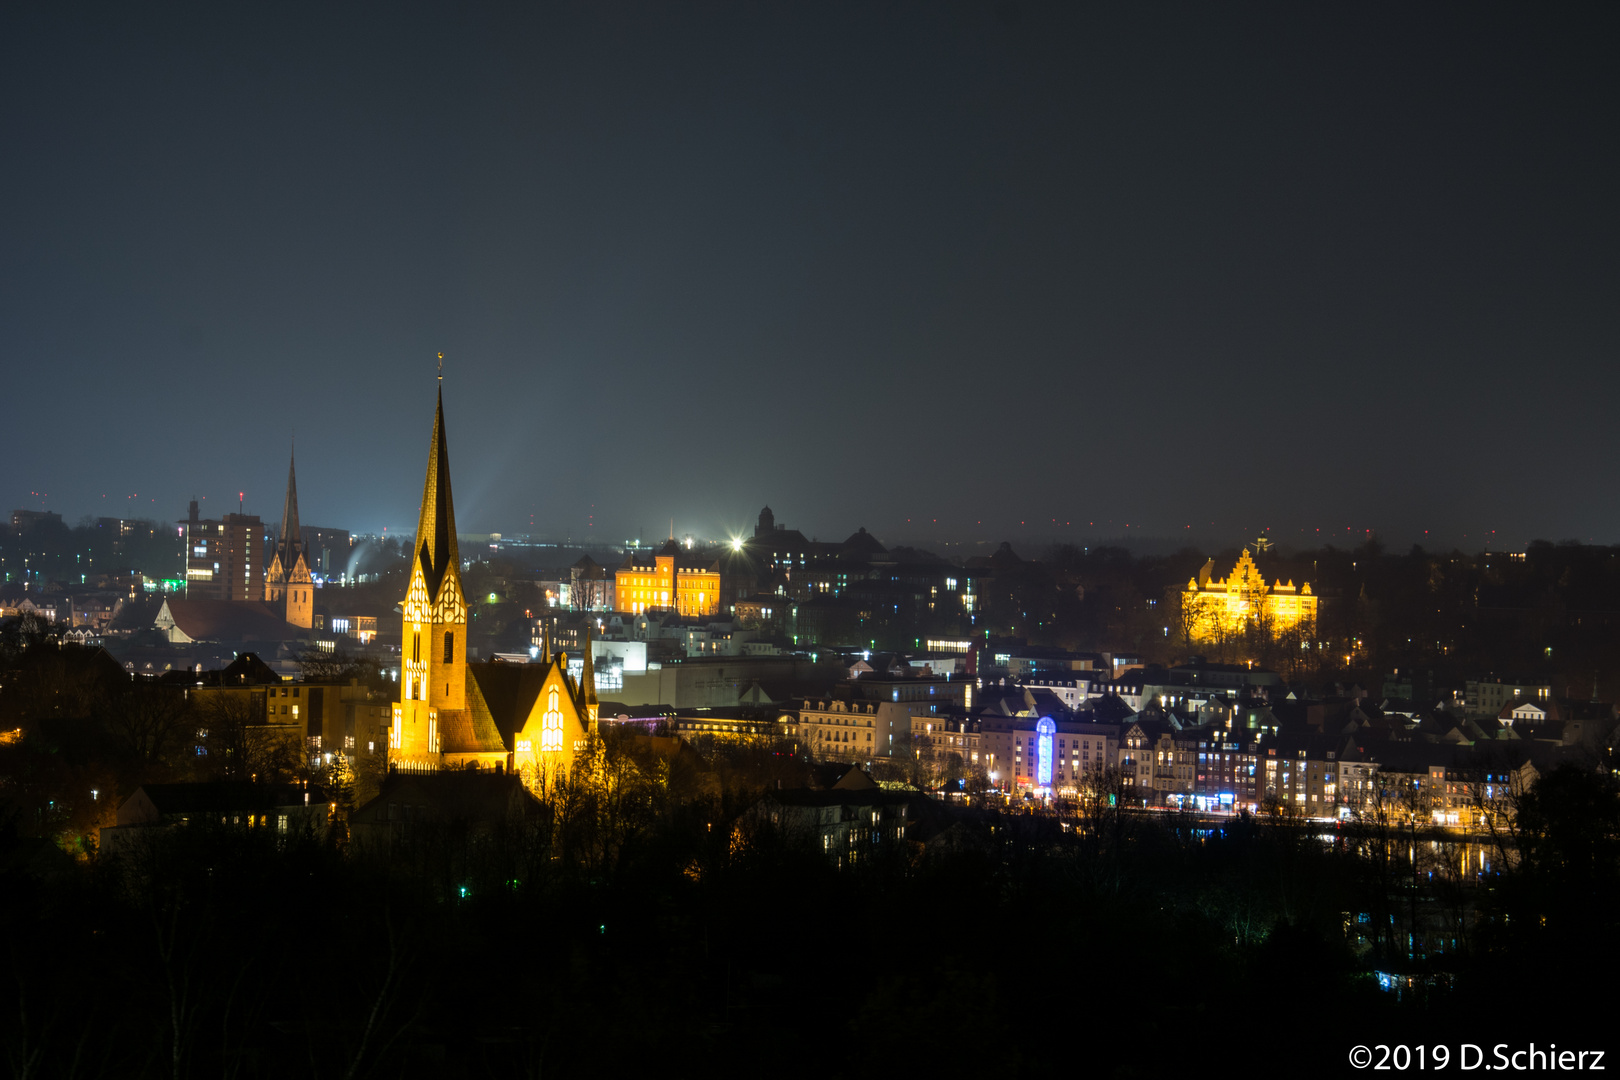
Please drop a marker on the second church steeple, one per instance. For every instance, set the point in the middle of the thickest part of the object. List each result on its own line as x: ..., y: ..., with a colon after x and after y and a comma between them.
x: 287, y: 583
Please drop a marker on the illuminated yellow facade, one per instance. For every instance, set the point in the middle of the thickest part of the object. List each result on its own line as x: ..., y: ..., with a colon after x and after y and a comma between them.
x: 532, y: 718
x: 1222, y: 607
x: 433, y: 651
x: 662, y: 582
x: 554, y: 732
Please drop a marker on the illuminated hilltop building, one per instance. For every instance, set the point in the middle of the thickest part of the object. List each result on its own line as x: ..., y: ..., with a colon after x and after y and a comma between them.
x: 529, y: 718
x: 667, y: 581
x: 1223, y: 607
x: 287, y: 584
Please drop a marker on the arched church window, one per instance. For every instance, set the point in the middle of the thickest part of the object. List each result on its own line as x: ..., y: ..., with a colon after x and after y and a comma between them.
x: 551, y: 735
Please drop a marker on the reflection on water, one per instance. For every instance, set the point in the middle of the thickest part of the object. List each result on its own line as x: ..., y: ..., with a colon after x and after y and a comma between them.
x: 1451, y: 857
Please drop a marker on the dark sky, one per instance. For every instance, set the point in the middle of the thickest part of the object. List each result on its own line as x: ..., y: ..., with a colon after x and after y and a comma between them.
x: 1307, y: 266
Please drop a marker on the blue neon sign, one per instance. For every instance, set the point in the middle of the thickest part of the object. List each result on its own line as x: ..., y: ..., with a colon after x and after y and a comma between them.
x: 1044, y: 730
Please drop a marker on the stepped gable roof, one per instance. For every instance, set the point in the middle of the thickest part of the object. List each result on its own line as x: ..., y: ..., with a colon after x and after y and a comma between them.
x: 436, y: 549
x: 229, y: 620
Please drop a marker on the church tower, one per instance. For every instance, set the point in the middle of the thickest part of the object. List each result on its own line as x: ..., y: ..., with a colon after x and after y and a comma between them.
x: 433, y: 665
x: 287, y: 584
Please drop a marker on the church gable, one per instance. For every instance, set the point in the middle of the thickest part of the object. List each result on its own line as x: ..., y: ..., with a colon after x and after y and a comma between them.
x: 418, y: 609
x: 448, y: 607
x: 556, y: 726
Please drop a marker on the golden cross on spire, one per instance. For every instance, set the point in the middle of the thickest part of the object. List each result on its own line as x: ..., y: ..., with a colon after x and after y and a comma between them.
x: 441, y: 367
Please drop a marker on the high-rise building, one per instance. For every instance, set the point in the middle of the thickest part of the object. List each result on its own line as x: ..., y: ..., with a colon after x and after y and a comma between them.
x: 287, y: 584
x: 223, y: 556
x: 23, y: 521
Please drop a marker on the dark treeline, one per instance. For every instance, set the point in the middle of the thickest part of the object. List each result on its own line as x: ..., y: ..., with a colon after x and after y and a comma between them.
x: 1102, y: 940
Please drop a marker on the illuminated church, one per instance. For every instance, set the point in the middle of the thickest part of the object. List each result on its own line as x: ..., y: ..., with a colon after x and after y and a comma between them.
x: 529, y: 718
x: 288, y: 586
x: 1225, y: 606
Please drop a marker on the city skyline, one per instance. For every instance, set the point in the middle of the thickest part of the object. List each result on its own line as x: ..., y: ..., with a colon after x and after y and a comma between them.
x: 1129, y: 475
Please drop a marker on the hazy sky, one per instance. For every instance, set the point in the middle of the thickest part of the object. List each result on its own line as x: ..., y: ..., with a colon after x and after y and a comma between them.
x: 1303, y: 266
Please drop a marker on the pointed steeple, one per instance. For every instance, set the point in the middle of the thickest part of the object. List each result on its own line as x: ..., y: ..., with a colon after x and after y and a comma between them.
x: 436, y: 549
x: 545, y: 642
x: 290, y: 543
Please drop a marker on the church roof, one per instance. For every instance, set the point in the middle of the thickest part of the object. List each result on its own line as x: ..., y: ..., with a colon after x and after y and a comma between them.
x: 469, y: 730
x: 500, y: 699
x: 227, y: 620
x: 436, y: 549
x: 503, y: 695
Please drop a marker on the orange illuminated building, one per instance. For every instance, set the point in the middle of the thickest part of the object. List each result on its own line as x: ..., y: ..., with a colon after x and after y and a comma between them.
x: 1219, y: 607
x: 532, y: 719
x: 667, y: 581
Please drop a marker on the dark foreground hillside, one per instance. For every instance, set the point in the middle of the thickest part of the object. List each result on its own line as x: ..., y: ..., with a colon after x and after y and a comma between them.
x: 1012, y: 945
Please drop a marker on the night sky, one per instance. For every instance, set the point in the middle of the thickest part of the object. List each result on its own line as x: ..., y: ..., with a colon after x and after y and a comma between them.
x: 951, y: 272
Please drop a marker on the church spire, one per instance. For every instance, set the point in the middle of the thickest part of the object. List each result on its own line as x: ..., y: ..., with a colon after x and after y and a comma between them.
x: 291, y: 540
x: 436, y: 549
